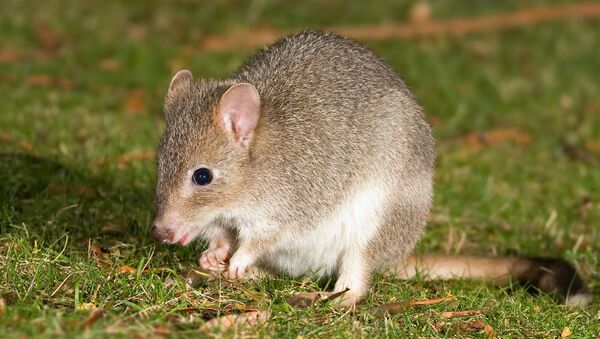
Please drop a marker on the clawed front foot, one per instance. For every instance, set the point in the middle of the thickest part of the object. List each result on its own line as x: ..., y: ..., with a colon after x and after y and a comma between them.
x: 240, y: 264
x: 215, y: 259
x: 218, y: 259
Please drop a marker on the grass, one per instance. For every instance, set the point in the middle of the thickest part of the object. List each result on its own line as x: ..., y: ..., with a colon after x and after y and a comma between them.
x: 81, y: 88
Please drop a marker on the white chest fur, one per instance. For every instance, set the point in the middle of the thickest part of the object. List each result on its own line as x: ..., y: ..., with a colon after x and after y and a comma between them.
x: 349, y: 229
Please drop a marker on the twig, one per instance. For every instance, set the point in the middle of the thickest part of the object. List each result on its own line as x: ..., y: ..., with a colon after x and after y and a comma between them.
x: 457, y: 27
x: 61, y: 285
x: 400, y: 306
x: 467, y: 313
x: 335, y: 295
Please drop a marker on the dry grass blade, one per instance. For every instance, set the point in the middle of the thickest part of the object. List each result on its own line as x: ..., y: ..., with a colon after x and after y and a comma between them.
x: 335, y: 295
x: 394, y: 308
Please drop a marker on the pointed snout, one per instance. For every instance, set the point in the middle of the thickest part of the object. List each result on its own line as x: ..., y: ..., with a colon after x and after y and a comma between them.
x: 162, y: 233
x: 171, y: 228
x: 165, y: 226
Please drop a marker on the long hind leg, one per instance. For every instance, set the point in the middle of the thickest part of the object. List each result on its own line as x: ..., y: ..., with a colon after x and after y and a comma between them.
x: 354, y: 276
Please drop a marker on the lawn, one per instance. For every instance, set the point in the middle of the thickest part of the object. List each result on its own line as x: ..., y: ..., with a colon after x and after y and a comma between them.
x: 516, y: 114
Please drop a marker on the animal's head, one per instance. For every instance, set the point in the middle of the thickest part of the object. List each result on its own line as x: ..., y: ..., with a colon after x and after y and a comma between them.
x: 204, y: 154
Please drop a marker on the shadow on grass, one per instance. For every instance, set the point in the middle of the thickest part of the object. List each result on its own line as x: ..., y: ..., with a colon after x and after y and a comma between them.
x: 47, y: 198
x: 43, y: 200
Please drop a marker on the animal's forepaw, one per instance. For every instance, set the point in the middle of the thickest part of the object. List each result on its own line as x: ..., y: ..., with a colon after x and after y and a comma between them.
x: 239, y: 265
x: 214, y: 259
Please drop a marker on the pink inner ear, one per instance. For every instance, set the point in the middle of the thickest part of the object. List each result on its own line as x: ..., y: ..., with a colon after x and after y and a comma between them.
x: 239, y: 110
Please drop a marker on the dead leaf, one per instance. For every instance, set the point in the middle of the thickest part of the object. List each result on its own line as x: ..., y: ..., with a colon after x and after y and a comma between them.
x: 39, y: 80
x: 56, y: 188
x: 304, y: 299
x: 474, y: 325
x: 43, y: 80
x: 131, y: 270
x: 64, y: 83
x: 111, y: 228
x: 85, y: 191
x: 6, y: 137
x: 160, y: 330
x: 566, y: 332
x: 9, y: 54
x: 47, y: 37
x: 420, y: 12
x: 251, y: 319
x: 96, y: 315
x: 97, y: 250
x: 26, y: 145
x: 127, y: 269
x: 125, y: 159
x: 593, y: 145
x: 489, y: 331
x: 110, y: 64
x: 9, y: 246
x: 135, y: 103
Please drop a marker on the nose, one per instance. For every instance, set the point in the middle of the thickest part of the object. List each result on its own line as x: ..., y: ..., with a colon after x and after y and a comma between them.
x: 161, y: 234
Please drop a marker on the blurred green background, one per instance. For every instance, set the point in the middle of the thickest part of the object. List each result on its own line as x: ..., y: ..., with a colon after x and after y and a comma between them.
x: 516, y: 114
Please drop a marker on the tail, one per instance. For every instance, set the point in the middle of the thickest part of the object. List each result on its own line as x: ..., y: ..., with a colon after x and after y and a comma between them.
x: 551, y: 276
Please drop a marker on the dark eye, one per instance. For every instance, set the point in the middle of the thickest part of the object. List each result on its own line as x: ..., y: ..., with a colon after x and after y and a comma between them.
x: 202, y: 176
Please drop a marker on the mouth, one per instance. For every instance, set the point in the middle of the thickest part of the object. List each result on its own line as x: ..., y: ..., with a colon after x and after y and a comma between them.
x: 186, y: 238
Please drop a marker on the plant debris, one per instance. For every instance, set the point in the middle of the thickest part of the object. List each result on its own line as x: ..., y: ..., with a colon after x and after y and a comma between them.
x: 251, y: 319
x: 94, y: 316
x: 398, y: 307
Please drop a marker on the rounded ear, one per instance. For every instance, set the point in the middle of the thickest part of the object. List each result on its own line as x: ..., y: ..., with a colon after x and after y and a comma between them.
x: 238, y: 112
x: 180, y: 80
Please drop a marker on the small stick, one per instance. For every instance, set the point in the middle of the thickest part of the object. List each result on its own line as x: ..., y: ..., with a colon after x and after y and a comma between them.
x: 427, y: 301
x: 398, y: 307
x: 467, y: 313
